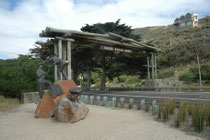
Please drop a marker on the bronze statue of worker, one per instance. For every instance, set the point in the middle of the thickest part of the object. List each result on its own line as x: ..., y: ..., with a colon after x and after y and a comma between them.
x: 61, y: 64
x: 41, y: 80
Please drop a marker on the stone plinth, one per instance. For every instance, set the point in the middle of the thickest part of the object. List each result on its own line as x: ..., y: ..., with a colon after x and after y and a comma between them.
x: 30, y: 97
x: 47, y: 104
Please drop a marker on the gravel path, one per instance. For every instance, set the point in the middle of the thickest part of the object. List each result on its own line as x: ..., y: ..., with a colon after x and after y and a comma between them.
x: 102, y: 123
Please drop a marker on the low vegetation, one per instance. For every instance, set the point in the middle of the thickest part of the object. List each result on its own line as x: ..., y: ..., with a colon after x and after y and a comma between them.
x: 8, y: 103
x: 199, y: 114
x: 19, y: 75
x: 179, y: 46
x: 193, y: 76
x: 165, y: 73
x: 127, y: 80
x: 166, y: 108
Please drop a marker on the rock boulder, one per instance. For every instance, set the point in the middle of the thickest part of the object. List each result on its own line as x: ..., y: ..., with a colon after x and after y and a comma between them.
x: 67, y: 111
x: 45, y: 107
x: 66, y: 85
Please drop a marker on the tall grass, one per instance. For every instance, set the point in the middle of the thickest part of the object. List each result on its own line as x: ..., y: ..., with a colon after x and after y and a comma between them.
x: 166, y: 108
x: 177, y: 121
x: 199, y: 112
x: 8, y: 103
x: 182, y: 112
x: 147, y: 106
x: 200, y: 115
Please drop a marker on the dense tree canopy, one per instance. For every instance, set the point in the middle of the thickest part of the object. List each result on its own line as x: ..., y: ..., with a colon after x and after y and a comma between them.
x: 114, y: 64
x: 18, y: 75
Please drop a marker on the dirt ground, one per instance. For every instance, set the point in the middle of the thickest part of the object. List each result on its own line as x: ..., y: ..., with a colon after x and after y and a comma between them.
x: 102, y: 123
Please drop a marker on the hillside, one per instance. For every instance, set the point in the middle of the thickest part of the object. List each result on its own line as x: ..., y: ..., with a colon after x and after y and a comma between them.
x: 179, y: 46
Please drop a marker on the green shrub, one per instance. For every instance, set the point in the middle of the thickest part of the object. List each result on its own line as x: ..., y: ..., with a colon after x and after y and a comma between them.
x: 133, y: 80
x: 205, y: 72
x: 97, y: 85
x: 115, y: 80
x: 94, y: 77
x: 84, y: 84
x: 188, y: 78
x: 138, y: 85
x: 165, y: 73
x: 122, y: 78
x: 19, y: 75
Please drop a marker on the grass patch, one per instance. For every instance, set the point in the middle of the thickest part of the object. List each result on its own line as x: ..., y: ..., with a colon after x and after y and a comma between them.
x: 8, y: 103
x: 133, y: 80
x: 165, y: 73
x: 128, y: 80
x: 166, y: 108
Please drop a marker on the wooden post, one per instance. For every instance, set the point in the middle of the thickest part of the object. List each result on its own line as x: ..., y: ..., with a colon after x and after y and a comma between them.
x: 148, y: 70
x: 69, y: 58
x: 199, y: 70
x: 55, y: 66
x: 64, y: 47
x: 156, y: 67
x: 153, y: 72
x: 60, y: 54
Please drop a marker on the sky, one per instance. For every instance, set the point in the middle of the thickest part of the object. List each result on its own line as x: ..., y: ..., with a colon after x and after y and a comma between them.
x: 21, y: 21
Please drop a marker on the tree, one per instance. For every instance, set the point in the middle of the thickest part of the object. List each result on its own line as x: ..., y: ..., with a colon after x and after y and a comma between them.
x: 108, y: 59
x: 42, y: 50
x: 18, y: 75
x: 82, y: 60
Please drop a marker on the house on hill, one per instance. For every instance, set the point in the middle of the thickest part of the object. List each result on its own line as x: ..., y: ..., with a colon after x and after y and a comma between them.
x: 189, y: 20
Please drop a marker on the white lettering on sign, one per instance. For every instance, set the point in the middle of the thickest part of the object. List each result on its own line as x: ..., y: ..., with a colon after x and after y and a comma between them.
x: 128, y: 51
x: 119, y: 50
x: 110, y: 48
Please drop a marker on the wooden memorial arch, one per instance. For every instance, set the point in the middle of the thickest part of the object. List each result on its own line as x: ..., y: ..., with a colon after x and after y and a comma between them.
x: 62, y: 40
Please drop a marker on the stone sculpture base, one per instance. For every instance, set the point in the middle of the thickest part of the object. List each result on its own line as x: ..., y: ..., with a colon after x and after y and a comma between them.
x: 46, y: 106
x: 67, y: 111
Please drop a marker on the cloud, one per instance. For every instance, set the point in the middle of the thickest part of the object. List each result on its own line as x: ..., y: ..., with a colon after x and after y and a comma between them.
x: 21, y: 24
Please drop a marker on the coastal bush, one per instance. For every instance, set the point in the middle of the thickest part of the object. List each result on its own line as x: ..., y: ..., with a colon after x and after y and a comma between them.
x: 165, y: 73
x: 122, y: 78
x: 19, y: 75
x: 193, y: 75
x: 188, y: 77
x: 133, y: 80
